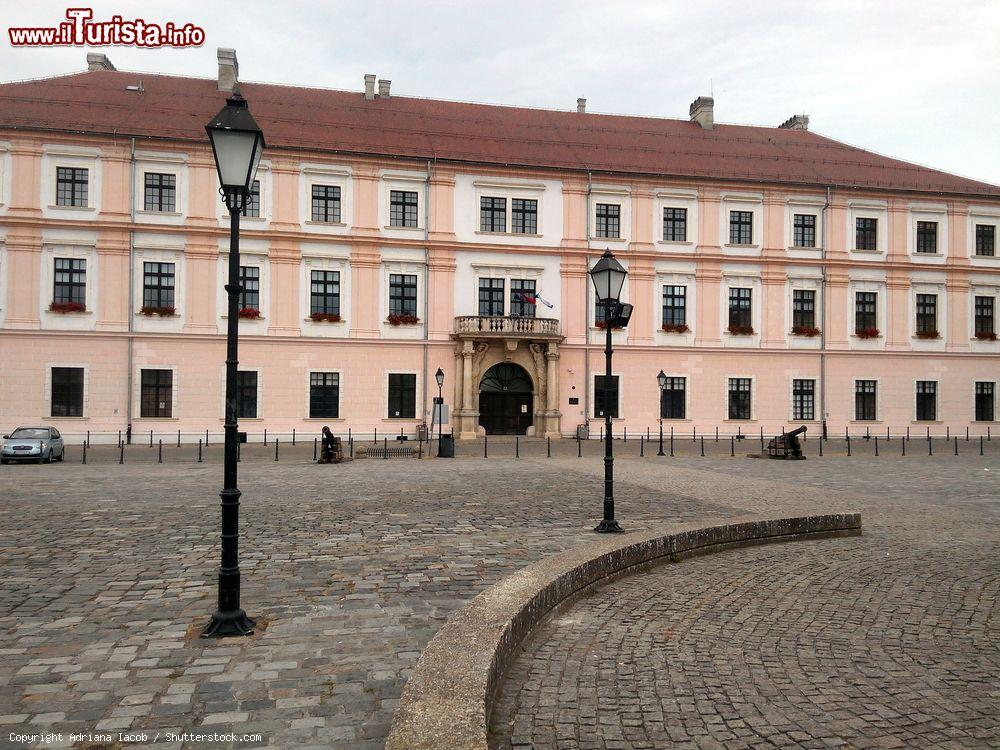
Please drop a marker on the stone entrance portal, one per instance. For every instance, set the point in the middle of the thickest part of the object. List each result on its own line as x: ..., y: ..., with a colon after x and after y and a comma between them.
x: 505, y: 400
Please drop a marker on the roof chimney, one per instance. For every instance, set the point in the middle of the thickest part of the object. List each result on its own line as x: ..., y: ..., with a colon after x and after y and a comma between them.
x: 369, y: 86
x: 581, y: 105
x: 796, y: 122
x: 383, y: 88
x: 98, y: 61
x: 702, y: 112
x: 229, y: 69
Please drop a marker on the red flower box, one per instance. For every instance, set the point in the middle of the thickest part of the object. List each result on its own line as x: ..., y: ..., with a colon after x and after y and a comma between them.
x: 928, y: 335
x: 320, y: 317
x: 867, y: 333
x: 402, y: 320
x: 251, y: 313
x: 675, y: 327
x: 151, y: 310
x: 67, y: 307
x: 809, y: 331
x: 741, y: 330
x: 986, y: 336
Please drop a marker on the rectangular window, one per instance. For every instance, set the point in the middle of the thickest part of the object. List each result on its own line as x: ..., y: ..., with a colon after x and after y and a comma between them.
x: 326, y: 203
x: 403, y: 294
x: 492, y: 214
x: 926, y: 313
x: 740, y: 307
x: 803, y: 309
x: 160, y: 192
x: 402, y: 395
x: 252, y: 208
x: 72, y: 185
x: 524, y: 215
x: 67, y: 391
x: 985, y: 405
x: 522, y: 297
x: 866, y: 234
x: 70, y: 281
x: 158, y: 285
x: 865, y: 311
x: 609, y: 218
x: 926, y: 400
x: 156, y: 393
x: 605, y: 396
x: 324, y: 395
x: 250, y: 281
x: 324, y: 292
x: 986, y: 239
x: 675, y: 224
x: 491, y: 296
x: 246, y: 394
x: 674, y: 305
x: 984, y: 316
x: 741, y: 227
x: 864, y: 400
x: 804, y: 230
x: 672, y: 399
x: 402, y: 208
x: 739, y: 398
x: 804, y: 399
x: 927, y: 236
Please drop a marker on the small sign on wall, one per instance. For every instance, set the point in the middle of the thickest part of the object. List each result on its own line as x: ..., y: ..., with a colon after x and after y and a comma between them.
x: 524, y: 408
x: 574, y: 401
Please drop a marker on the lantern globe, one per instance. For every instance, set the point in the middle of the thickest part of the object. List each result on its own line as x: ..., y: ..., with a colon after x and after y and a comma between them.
x: 439, y: 377
x: 608, y: 276
x: 237, y: 144
x: 661, y: 378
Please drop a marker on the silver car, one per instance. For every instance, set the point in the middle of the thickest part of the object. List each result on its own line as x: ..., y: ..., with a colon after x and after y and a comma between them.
x: 36, y: 444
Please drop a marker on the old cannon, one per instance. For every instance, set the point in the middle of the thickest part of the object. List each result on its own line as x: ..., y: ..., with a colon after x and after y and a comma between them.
x: 786, y: 445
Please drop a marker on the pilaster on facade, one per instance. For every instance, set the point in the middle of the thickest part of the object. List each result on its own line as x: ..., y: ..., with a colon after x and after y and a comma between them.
x: 958, y: 234
x: 709, y: 205
x: 839, y: 325
x: 26, y: 180
x: 441, y: 303
x: 897, y: 333
x: 24, y: 251
x: 835, y: 226
x: 366, y: 271
x: 574, y: 214
x: 575, y: 310
x: 899, y: 226
x: 774, y: 281
x: 642, y: 227
x: 284, y: 260
x: 442, y: 206
x: 116, y: 167
x: 367, y: 183
x: 285, y: 177
x: 958, y: 288
x: 773, y: 242
x: 708, y: 276
x: 641, y: 275
x: 204, y: 201
x: 112, y: 303
x: 201, y: 259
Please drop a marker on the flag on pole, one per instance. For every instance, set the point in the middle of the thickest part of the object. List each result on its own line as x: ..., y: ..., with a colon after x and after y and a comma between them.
x: 544, y: 301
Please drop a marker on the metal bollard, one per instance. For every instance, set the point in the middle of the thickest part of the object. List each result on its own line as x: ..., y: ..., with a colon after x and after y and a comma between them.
x: 671, y: 442
x: 150, y: 438
x: 642, y: 448
x: 375, y: 438
x: 178, y: 438
x: 315, y: 441
x: 579, y: 448
x: 88, y: 437
x: 702, y: 446
x: 947, y: 432
x: 716, y: 433
x: 956, y: 445
x: 876, y: 445
x: 762, y: 442
x: 276, y: 449
x: 821, y: 446
x: 980, y: 445
x: 517, y: 446
x: 930, y: 449
x: 903, y: 443
x: 119, y: 436
x: 887, y: 434
x: 84, y: 453
x: 239, y: 451
x: 600, y: 437
x: 732, y: 445
x: 121, y: 453
x: 265, y: 436
x: 486, y: 446
x: 350, y: 443
x: 848, y: 445
x: 159, y: 451
x: 206, y: 438
x: 293, y: 437
x: 199, y: 450
x: 967, y: 433
x: 385, y: 447
x: 625, y: 432
x: 548, y: 446
x: 907, y: 433
x: 694, y: 434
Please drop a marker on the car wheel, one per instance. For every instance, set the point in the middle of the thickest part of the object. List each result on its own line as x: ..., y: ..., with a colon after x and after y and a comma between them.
x: 62, y: 455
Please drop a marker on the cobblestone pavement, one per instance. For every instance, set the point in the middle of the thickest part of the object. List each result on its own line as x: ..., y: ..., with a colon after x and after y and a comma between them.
x: 884, y: 640
x: 108, y: 571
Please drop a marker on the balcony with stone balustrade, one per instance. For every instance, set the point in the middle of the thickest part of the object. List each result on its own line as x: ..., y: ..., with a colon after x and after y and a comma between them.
x: 507, y: 327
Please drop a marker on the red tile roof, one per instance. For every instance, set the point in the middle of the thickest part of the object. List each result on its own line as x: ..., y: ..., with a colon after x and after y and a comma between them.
x: 306, y: 118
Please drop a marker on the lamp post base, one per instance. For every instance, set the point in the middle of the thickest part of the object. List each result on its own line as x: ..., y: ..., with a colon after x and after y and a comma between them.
x: 607, y: 526
x: 228, y: 624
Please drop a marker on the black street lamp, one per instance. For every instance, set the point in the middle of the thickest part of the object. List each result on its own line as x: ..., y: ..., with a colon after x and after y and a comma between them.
x: 662, y: 380
x: 237, y: 143
x: 439, y: 377
x: 609, y: 278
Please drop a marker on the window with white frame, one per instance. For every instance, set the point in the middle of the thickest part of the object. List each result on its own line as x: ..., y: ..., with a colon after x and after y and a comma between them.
x: 402, y: 395
x: 674, y: 315
x: 324, y: 293
x: 403, y: 208
x: 804, y: 230
x: 984, y: 325
x: 524, y: 216
x: 160, y: 192
x: 741, y: 227
x: 926, y: 309
x: 866, y: 234
x: 606, y: 396
x: 72, y: 186
x: 740, y: 398
x: 926, y: 400
x: 69, y: 287
x: 250, y: 288
x: 865, y: 393
x: 673, y: 398
x: 927, y: 237
x: 252, y: 207
x: 985, y: 401
x: 246, y: 394
x: 158, y: 280
x: 804, y: 311
x: 803, y: 399
x: 522, y: 298
x: 324, y: 395
x: 66, y: 396
x: 156, y: 393
x: 326, y: 204
x: 608, y: 220
x: 403, y: 294
x: 674, y: 224
x: 491, y: 297
x: 986, y: 240
x: 492, y: 214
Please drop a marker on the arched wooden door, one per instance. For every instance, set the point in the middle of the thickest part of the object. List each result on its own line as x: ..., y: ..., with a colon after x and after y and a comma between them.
x: 505, y: 399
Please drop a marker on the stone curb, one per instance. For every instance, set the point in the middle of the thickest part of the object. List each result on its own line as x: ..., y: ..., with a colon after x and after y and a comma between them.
x: 448, y: 699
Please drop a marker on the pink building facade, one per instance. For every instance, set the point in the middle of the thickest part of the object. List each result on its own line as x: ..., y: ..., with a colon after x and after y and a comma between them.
x: 393, y: 236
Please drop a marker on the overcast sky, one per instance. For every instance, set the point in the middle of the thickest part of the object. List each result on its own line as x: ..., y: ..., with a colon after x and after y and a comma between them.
x: 913, y: 79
